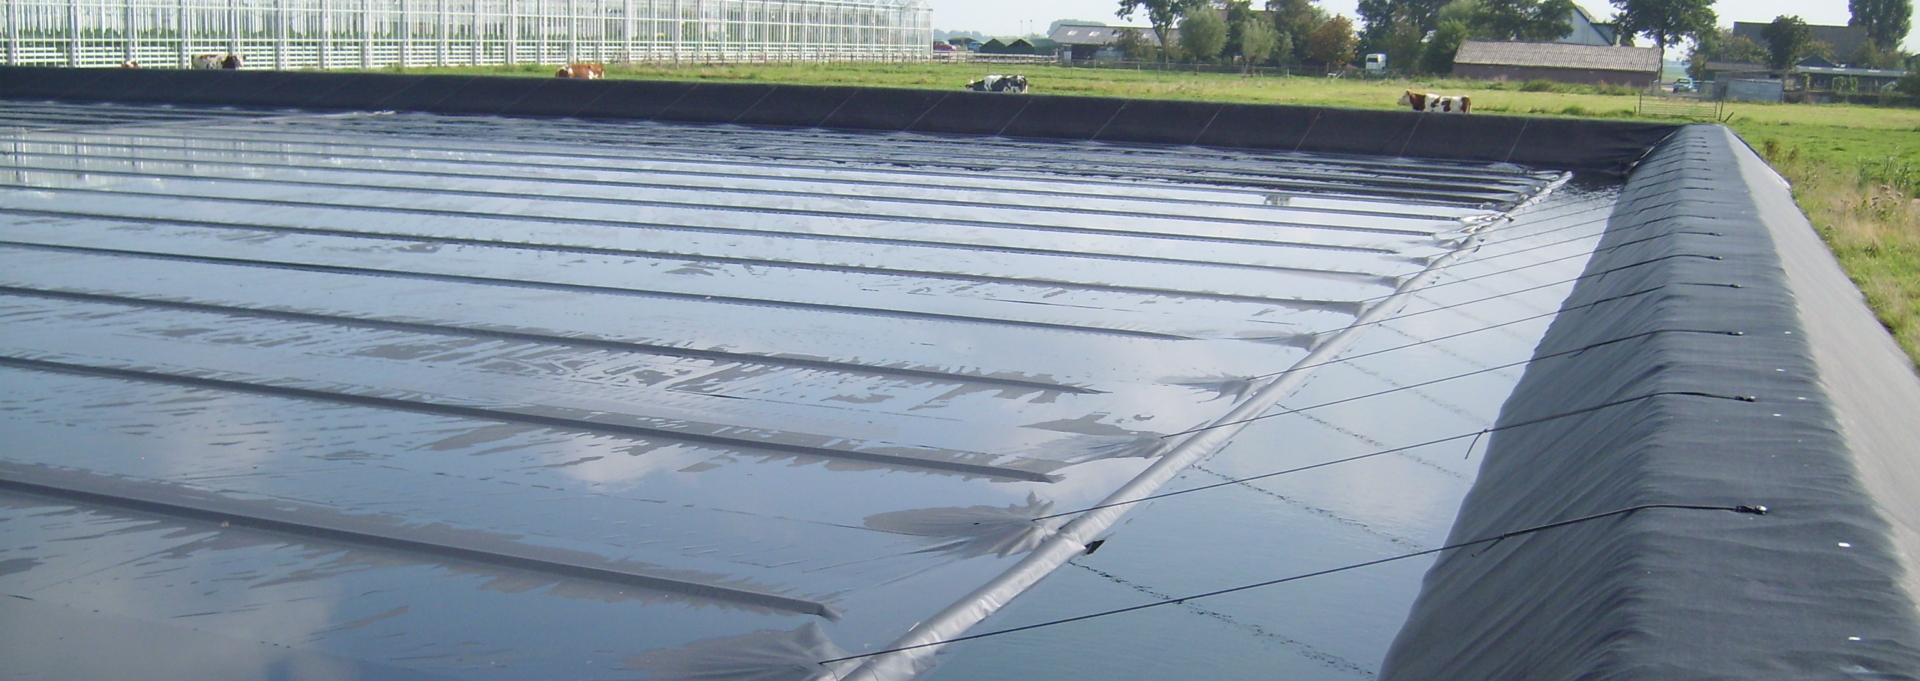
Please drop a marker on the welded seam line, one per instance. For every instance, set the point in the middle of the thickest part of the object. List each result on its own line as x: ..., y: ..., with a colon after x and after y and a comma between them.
x: 95, y: 489
x: 109, y: 128
x: 425, y: 238
x: 804, y: 236
x: 1423, y: 190
x: 689, y: 133
x: 740, y: 191
x: 590, y: 288
x: 698, y: 135
x: 503, y: 416
x: 1226, y: 183
x: 1300, y: 163
x: 1011, y: 226
x: 1071, y: 539
x: 543, y: 339
x: 684, y: 167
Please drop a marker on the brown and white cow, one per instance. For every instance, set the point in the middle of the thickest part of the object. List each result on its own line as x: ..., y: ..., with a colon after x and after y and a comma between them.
x: 1428, y: 102
x: 129, y: 64
x: 581, y: 71
x: 232, y: 62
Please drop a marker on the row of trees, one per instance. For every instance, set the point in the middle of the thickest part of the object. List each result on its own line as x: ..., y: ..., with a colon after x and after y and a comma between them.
x: 1422, y: 36
x: 1288, y: 32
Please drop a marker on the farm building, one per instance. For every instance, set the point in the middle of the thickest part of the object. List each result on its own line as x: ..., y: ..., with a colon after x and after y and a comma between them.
x: 416, y: 377
x: 1561, y: 62
x: 1585, y: 31
x: 1089, y: 41
x: 289, y: 34
x: 1846, y: 41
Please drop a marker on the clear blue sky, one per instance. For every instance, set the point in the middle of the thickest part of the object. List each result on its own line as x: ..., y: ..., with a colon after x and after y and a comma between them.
x: 1014, y: 17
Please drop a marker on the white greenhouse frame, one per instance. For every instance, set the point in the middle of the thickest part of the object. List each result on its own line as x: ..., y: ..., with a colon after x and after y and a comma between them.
x: 290, y: 34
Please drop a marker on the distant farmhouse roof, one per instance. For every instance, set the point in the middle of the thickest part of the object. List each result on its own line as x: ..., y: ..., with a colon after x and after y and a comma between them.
x: 1845, y: 40
x: 1559, y: 56
x: 1082, y: 34
x: 1586, y: 31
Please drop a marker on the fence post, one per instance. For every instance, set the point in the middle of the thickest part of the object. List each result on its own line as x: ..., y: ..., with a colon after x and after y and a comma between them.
x: 131, y: 32
x: 326, y: 35
x: 13, y: 34
x: 73, y: 33
x: 366, y: 34
x: 445, y: 22
x: 233, y: 26
x: 406, y: 33
x: 280, y: 34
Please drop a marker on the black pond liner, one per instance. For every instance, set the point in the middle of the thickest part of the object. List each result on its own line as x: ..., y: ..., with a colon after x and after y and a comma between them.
x: 1821, y: 587
x: 1818, y: 588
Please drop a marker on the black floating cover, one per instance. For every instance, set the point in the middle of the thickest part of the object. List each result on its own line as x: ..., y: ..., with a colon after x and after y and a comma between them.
x: 1809, y: 591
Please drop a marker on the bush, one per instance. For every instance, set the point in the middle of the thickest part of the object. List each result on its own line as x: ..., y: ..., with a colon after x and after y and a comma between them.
x: 1540, y: 85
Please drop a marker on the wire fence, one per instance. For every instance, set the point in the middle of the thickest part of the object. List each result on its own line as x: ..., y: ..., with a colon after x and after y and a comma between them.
x: 286, y: 34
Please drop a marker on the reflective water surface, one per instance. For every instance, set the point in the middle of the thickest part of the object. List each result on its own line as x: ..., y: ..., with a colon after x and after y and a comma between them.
x: 396, y: 396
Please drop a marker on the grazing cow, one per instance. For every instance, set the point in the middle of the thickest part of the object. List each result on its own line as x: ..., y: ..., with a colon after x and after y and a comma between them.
x: 581, y: 71
x: 206, y: 61
x: 129, y: 64
x: 997, y: 83
x: 232, y: 62
x: 1429, y: 102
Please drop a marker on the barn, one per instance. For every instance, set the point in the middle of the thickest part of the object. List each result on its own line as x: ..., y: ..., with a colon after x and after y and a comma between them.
x: 1560, y: 62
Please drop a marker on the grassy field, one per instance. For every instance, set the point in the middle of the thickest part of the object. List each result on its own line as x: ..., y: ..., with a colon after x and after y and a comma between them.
x: 1855, y: 169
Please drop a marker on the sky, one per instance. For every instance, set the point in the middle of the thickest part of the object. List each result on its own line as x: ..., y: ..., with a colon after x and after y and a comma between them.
x: 1019, y: 17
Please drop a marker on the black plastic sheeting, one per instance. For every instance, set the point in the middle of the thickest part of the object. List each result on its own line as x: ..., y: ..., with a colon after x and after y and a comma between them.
x: 1559, y: 143
x: 1810, y: 590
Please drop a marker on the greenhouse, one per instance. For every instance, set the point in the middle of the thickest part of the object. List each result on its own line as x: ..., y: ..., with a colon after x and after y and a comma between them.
x: 291, y: 34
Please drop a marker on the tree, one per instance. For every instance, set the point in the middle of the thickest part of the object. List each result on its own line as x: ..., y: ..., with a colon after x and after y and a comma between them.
x: 1437, y: 56
x: 1296, y: 19
x: 1528, y: 20
x: 1239, y: 14
x: 1874, y: 57
x: 1161, y: 14
x: 1788, y: 39
x: 1400, y: 42
x: 1886, y: 21
x: 1134, y: 45
x: 1722, y: 45
x: 1258, y: 41
x: 1333, y: 43
x: 1667, y: 22
x: 1381, y: 16
x: 1203, y: 35
x: 1468, y: 13
x: 1909, y: 84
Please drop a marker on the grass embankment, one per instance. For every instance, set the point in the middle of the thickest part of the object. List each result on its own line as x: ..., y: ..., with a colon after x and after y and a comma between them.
x: 1855, y: 169
x: 1858, y: 187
